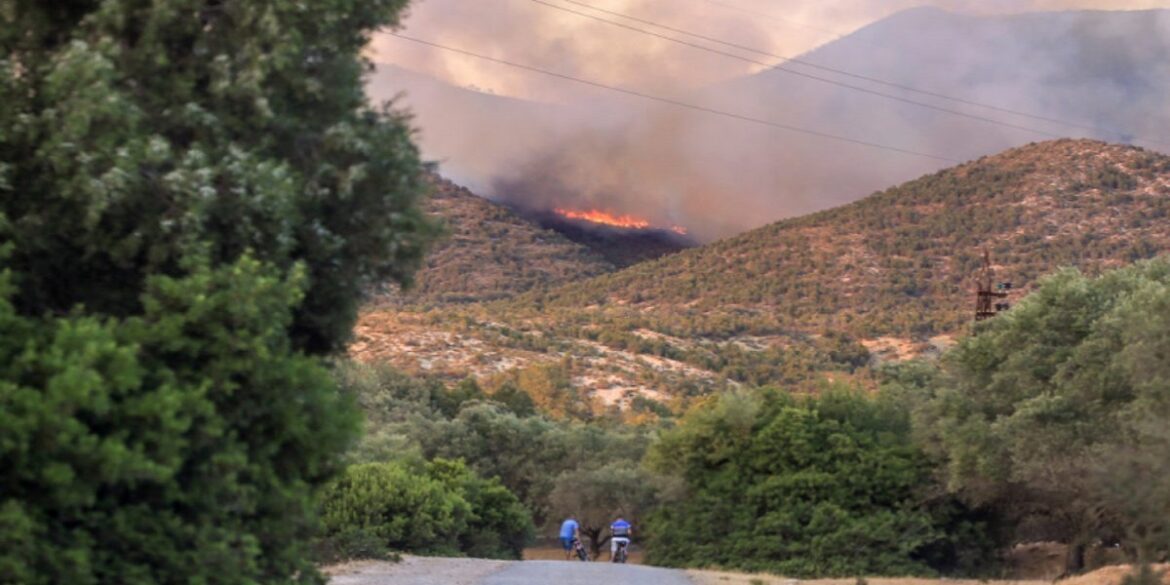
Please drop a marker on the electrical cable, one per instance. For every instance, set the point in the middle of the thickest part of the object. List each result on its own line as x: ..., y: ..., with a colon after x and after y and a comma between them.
x: 677, y: 103
x: 834, y: 70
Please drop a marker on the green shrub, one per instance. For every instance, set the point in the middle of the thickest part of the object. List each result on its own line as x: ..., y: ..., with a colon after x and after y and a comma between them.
x: 186, y: 442
x: 499, y: 526
x: 437, y: 508
x: 407, y: 510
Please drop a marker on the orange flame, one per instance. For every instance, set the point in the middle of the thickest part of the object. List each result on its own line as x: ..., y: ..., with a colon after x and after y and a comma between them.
x: 621, y: 221
x: 597, y: 216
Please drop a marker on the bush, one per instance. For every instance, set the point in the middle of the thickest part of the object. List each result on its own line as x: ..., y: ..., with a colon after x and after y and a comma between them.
x: 184, y: 442
x: 439, y: 508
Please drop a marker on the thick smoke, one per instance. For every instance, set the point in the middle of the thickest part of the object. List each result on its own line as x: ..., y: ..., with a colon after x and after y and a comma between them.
x: 541, y: 142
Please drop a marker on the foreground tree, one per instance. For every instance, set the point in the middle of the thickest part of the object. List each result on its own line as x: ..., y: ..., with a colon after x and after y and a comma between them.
x: 136, y: 133
x: 193, y: 195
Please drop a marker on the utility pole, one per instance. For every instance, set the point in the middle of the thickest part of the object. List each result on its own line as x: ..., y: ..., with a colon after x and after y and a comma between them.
x: 985, y: 295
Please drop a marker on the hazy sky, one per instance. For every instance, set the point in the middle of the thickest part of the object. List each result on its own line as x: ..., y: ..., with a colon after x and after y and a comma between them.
x: 531, y: 33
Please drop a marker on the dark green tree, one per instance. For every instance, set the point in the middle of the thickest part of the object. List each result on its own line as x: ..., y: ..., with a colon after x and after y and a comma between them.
x: 193, y: 196
x: 598, y: 496
x: 136, y: 133
x: 1049, y: 411
x: 831, y: 486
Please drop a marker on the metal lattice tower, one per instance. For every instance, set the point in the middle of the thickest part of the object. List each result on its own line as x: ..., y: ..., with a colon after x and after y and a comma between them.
x: 986, y: 294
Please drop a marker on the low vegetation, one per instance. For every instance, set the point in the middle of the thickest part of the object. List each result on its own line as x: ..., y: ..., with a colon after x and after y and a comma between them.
x: 439, y: 507
x: 488, y: 253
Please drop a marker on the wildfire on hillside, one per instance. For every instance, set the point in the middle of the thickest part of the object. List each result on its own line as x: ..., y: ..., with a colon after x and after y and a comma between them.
x: 624, y: 221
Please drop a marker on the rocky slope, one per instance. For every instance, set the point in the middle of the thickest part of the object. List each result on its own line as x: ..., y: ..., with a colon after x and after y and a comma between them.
x: 491, y: 253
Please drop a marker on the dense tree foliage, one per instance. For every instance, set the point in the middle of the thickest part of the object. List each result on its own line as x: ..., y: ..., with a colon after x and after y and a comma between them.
x: 830, y: 487
x: 138, y: 133
x: 526, y: 451
x: 439, y: 507
x: 184, y: 441
x: 1055, y: 410
x: 193, y: 196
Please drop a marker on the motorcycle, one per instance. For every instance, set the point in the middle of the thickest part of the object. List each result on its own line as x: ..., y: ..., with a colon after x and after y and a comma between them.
x: 620, y: 555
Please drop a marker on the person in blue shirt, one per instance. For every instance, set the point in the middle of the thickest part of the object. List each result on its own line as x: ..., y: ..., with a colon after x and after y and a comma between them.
x: 569, y: 533
x: 620, y: 532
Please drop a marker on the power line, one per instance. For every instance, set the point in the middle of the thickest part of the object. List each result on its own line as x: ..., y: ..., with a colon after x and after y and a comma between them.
x: 678, y: 103
x: 812, y: 65
x: 803, y: 74
x: 834, y: 70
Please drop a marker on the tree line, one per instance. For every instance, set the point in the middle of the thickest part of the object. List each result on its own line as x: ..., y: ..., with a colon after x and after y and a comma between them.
x: 1043, y: 424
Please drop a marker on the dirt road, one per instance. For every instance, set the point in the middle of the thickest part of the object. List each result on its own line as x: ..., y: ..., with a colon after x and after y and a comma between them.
x: 424, y: 571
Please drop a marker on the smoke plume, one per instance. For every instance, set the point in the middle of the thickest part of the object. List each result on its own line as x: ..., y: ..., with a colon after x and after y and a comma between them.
x: 542, y: 142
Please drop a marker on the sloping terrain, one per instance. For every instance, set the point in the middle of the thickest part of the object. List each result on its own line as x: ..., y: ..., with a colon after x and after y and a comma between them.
x: 891, y: 274
x: 901, y: 262
x: 491, y: 253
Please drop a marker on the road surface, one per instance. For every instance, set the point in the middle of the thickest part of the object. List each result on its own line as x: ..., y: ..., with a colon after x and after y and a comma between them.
x: 429, y: 571
x: 578, y: 573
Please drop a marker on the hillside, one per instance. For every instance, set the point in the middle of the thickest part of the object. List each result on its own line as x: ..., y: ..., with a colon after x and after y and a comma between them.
x: 901, y: 261
x: 489, y: 253
x: 889, y: 275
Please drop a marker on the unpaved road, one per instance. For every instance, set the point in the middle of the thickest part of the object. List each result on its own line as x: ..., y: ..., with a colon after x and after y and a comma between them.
x: 424, y: 571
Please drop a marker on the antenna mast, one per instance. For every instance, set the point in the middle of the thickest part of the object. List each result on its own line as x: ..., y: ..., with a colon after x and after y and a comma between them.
x: 985, y: 295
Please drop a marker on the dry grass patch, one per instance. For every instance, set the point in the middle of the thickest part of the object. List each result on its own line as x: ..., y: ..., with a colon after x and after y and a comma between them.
x: 704, y: 577
x: 1111, y: 575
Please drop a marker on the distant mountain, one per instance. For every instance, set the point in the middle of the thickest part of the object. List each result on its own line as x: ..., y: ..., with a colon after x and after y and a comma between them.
x: 1107, y: 73
x: 892, y: 272
x: 491, y: 253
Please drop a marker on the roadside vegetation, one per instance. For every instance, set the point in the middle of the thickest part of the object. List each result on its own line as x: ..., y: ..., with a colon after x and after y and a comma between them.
x: 1043, y: 424
x: 193, y: 197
